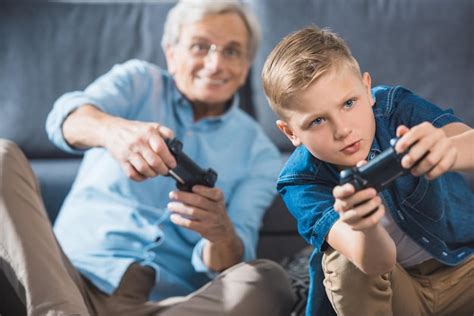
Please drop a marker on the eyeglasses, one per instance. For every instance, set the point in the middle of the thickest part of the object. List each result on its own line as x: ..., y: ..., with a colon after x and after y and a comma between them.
x: 232, y: 54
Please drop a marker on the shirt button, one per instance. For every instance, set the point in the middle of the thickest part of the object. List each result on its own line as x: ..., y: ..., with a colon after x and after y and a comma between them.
x: 189, y: 133
x: 371, y: 156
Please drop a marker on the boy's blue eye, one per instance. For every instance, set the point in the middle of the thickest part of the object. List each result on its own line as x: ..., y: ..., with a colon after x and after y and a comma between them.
x: 349, y: 103
x: 317, y: 121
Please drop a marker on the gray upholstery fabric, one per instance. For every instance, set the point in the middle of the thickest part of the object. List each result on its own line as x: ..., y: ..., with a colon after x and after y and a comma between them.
x: 51, y: 48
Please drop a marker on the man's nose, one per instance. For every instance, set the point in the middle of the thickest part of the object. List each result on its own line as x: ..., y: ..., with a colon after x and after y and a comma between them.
x: 213, y: 60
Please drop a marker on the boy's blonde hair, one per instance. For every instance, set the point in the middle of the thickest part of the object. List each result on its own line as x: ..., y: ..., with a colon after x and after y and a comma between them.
x: 298, y: 61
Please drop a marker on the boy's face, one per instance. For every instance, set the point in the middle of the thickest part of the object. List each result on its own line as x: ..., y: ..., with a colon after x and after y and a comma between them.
x: 333, y: 118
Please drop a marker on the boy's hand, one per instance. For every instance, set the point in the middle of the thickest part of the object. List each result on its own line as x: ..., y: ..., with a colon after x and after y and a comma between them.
x: 432, y: 152
x: 360, y: 210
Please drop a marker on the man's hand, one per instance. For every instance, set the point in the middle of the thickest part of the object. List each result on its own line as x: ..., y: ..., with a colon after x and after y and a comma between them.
x: 139, y: 147
x: 203, y: 211
x: 432, y: 152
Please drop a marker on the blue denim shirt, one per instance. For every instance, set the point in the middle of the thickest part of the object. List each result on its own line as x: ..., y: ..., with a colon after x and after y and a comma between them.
x: 109, y: 221
x: 436, y: 214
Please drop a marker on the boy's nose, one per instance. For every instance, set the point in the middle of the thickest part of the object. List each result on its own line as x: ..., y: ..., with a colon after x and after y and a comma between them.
x: 342, y: 132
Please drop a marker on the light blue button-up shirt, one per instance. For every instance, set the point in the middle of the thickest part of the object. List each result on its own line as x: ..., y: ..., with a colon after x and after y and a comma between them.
x: 109, y: 221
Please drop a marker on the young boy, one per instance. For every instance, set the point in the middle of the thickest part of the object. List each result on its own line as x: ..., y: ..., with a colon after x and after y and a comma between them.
x: 405, y: 251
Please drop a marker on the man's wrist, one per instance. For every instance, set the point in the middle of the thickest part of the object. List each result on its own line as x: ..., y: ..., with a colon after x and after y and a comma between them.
x: 232, y: 241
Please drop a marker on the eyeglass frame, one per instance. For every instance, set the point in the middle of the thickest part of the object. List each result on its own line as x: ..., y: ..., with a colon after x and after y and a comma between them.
x: 235, y: 59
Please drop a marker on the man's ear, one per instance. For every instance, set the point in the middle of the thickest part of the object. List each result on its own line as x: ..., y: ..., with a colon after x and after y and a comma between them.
x: 286, y: 129
x: 367, y: 80
x: 170, y: 59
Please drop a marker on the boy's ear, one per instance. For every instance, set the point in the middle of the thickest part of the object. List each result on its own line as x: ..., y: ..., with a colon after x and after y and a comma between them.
x: 285, y: 129
x: 367, y: 80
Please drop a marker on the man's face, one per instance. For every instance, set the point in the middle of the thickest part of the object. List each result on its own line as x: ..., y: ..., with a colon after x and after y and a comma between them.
x: 333, y: 118
x: 210, y: 78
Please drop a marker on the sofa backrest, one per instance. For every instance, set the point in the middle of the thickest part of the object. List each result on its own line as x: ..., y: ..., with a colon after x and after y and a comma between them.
x: 52, y: 48
x: 49, y: 48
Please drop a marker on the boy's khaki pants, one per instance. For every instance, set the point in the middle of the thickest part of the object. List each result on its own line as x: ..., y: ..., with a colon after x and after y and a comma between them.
x: 430, y: 288
x: 48, y: 284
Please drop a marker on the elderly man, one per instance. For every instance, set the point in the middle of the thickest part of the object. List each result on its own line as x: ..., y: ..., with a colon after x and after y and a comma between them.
x: 130, y: 243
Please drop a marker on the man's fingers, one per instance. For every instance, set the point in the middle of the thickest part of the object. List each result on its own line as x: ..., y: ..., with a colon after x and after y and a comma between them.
x: 131, y: 172
x: 195, y: 199
x: 214, y: 194
x: 154, y: 161
x: 186, y: 222
x: 159, y: 146
x: 141, y: 166
x: 165, y: 132
x: 187, y: 211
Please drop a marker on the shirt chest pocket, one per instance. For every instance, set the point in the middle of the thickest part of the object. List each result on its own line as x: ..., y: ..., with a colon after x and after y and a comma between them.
x: 426, y: 199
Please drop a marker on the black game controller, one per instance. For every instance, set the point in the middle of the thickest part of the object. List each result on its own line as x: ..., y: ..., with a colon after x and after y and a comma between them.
x: 377, y: 173
x: 187, y: 173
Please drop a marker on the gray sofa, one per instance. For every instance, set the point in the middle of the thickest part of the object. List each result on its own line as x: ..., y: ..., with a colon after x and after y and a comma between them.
x: 50, y: 47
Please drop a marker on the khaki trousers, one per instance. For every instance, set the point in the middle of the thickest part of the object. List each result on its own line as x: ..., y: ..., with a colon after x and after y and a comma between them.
x: 48, y: 284
x: 430, y: 288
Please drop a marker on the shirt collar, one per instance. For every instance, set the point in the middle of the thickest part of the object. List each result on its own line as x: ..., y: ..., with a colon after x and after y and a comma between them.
x: 184, y: 110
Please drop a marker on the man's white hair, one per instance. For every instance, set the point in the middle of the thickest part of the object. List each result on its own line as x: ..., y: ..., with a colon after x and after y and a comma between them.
x: 190, y: 11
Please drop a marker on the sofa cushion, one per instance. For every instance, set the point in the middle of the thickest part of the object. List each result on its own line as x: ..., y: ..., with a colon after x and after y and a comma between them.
x: 55, y: 177
x: 297, y: 269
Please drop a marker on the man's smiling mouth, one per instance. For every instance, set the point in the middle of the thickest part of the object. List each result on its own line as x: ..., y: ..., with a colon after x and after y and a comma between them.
x: 212, y: 81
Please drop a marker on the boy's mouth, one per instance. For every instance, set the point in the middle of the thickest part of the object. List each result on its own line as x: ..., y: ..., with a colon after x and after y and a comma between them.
x: 351, y: 148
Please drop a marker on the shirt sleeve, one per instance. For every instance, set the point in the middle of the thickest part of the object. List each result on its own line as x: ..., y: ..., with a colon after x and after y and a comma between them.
x: 249, y: 199
x: 312, y: 205
x: 118, y: 93
x: 410, y: 110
